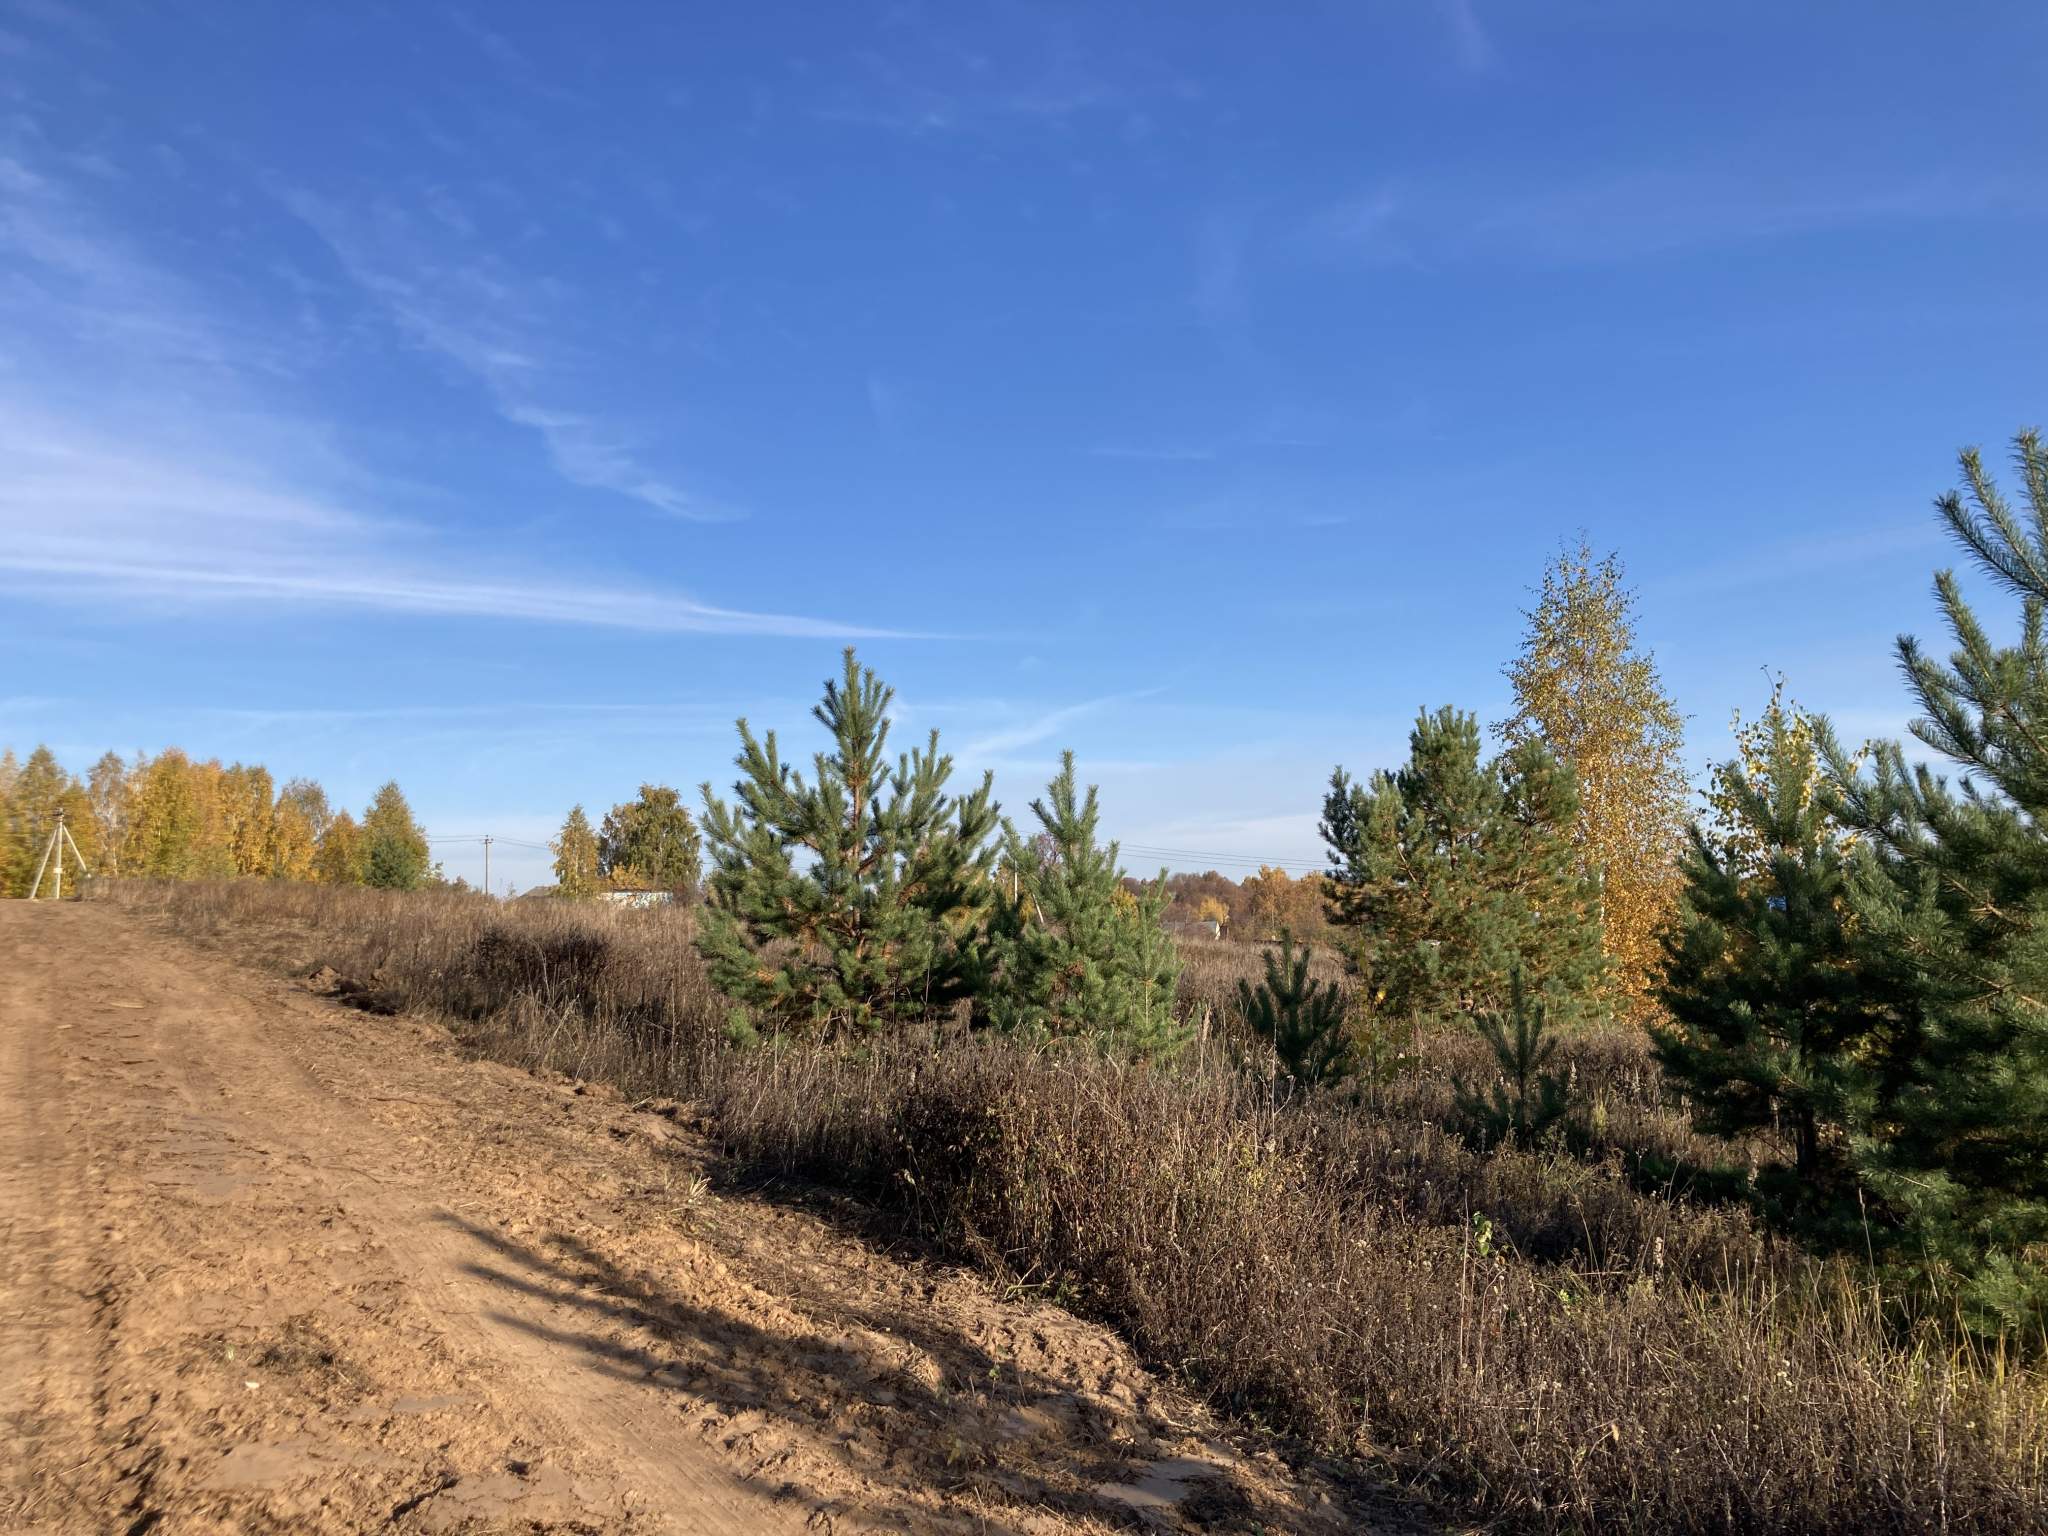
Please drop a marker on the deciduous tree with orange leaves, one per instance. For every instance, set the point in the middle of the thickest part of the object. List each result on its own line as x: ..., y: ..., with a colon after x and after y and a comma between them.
x: 1585, y: 687
x: 1276, y: 902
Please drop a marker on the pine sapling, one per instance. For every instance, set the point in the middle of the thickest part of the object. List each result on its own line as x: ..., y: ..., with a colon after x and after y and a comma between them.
x: 1303, y: 1020
x: 855, y: 899
x: 1525, y: 1101
x: 1074, y: 953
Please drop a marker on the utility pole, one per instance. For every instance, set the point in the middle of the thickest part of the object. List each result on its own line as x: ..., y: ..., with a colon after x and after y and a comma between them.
x: 487, y: 863
x: 53, y: 852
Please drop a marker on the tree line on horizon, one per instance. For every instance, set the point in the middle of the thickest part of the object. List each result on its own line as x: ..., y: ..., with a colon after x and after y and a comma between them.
x: 173, y: 817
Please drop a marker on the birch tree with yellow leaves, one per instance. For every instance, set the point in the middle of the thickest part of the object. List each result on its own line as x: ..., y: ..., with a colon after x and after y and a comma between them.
x: 246, y: 796
x: 338, y: 857
x: 1585, y: 687
x: 297, y: 823
x: 110, y: 787
x: 575, y: 851
x: 176, y: 828
x: 173, y: 817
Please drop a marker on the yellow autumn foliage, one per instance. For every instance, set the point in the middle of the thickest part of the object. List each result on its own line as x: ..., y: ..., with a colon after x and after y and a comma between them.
x: 1780, y: 746
x: 1584, y: 686
x: 1276, y: 900
x: 169, y: 817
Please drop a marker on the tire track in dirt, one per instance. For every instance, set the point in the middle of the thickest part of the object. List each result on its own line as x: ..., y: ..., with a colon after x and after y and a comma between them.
x: 268, y: 1264
x: 208, y: 1255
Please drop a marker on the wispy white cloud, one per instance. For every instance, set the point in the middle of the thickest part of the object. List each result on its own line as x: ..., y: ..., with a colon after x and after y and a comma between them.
x: 1164, y: 453
x: 145, y: 471
x: 56, y: 16
x: 1365, y: 229
x: 60, y: 275
x: 1800, y: 559
x: 688, y: 713
x: 176, y: 584
x: 1229, y: 513
x: 929, y: 87
x: 1652, y: 212
x: 1635, y: 214
x: 491, y: 322
x: 1469, y: 37
x: 91, y: 517
x: 888, y: 404
x: 495, y: 46
x: 512, y: 62
x: 1042, y: 727
x: 1222, y: 240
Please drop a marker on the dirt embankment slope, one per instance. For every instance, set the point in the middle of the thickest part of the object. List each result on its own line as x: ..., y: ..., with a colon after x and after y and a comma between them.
x: 270, y: 1264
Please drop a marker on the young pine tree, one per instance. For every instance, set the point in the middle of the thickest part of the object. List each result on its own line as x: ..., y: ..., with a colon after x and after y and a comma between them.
x: 1768, y: 1020
x: 855, y: 901
x: 1950, y: 899
x: 1451, y: 875
x: 395, y: 854
x: 1525, y: 1100
x: 575, y: 850
x: 1302, y: 1020
x: 1073, y: 951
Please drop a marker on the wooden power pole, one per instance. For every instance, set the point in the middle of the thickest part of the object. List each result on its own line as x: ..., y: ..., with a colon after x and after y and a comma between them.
x: 53, y: 860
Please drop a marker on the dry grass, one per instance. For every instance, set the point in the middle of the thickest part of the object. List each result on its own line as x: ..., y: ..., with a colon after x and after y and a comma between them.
x: 1530, y: 1336
x: 610, y: 994
x: 1672, y: 1372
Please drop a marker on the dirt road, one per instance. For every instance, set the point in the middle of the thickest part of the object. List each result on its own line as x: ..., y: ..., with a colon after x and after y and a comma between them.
x: 267, y: 1263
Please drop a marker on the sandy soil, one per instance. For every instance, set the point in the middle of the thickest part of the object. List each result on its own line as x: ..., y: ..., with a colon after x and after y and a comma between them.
x: 271, y: 1264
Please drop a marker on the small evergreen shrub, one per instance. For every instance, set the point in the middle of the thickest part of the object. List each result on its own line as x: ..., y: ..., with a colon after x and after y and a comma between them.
x: 855, y: 901
x: 1074, y: 952
x: 1303, y: 1020
x: 1526, y: 1100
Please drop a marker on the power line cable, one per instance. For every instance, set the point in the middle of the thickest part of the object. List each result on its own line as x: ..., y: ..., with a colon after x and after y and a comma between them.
x: 1221, y: 860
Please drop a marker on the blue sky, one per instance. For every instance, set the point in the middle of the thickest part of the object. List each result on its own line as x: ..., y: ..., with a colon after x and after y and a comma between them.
x: 504, y: 398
